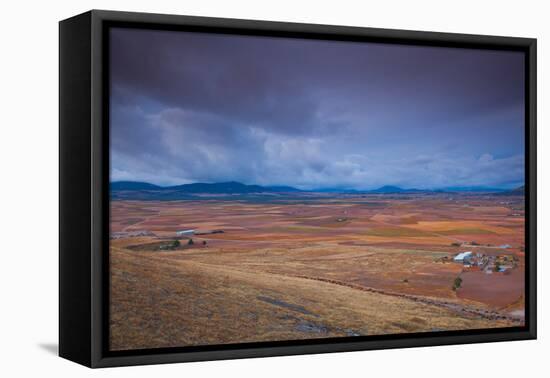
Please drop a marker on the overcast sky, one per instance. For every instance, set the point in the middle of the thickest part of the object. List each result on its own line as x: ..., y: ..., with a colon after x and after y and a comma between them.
x: 191, y: 107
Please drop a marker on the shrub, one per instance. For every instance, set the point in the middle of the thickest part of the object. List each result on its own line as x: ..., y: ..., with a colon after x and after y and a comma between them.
x: 190, y: 242
x: 457, y: 283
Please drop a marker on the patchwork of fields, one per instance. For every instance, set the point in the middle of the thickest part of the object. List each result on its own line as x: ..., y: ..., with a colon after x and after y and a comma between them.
x: 322, y: 266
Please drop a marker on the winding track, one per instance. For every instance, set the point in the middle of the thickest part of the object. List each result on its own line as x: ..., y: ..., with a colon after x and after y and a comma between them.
x: 455, y: 307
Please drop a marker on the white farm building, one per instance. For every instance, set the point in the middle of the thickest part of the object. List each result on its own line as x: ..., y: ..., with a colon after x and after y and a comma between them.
x: 185, y: 232
x: 463, y: 256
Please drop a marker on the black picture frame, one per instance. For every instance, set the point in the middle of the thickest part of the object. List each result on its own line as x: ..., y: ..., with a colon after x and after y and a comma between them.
x: 84, y: 183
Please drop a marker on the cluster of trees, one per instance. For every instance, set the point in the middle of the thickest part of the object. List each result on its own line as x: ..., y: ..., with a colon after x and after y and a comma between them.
x: 170, y: 247
x: 175, y: 244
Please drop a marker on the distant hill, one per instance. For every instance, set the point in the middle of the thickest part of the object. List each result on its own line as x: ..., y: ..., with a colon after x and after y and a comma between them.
x: 282, y: 188
x: 231, y: 187
x: 388, y: 189
x: 337, y: 190
x: 391, y: 189
x: 133, y: 185
x: 519, y: 191
x: 472, y: 189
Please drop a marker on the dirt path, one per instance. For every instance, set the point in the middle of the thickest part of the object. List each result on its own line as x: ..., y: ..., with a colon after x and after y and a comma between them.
x: 455, y: 307
x: 451, y: 306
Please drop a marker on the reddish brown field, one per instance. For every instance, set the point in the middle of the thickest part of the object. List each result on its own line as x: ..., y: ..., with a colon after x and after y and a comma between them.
x: 320, y: 267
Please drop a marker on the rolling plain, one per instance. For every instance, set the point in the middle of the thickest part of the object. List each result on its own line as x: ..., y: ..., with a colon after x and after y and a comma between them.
x: 222, y: 271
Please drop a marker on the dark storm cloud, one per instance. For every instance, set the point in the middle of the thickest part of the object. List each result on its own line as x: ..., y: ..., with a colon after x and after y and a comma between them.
x: 197, y: 107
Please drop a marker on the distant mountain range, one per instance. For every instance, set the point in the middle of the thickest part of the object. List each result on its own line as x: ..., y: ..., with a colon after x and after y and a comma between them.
x: 145, y: 190
x: 231, y: 187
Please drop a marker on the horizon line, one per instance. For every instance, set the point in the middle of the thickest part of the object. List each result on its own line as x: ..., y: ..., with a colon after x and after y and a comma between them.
x: 463, y: 187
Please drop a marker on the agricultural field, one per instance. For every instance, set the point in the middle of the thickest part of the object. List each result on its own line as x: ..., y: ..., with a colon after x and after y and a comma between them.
x: 217, y: 271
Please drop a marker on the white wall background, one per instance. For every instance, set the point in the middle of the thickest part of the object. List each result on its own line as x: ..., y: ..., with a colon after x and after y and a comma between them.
x: 29, y: 186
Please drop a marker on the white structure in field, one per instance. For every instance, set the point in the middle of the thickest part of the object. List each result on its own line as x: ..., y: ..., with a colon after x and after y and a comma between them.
x: 463, y: 256
x: 185, y: 232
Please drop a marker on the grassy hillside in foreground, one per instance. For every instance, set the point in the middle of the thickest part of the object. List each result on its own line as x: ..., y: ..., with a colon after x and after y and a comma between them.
x: 160, y: 300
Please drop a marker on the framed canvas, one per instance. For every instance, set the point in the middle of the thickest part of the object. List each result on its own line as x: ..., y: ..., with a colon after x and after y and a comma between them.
x: 234, y: 188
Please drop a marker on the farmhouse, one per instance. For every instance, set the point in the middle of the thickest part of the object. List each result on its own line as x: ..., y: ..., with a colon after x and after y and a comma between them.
x: 185, y: 232
x: 463, y: 257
